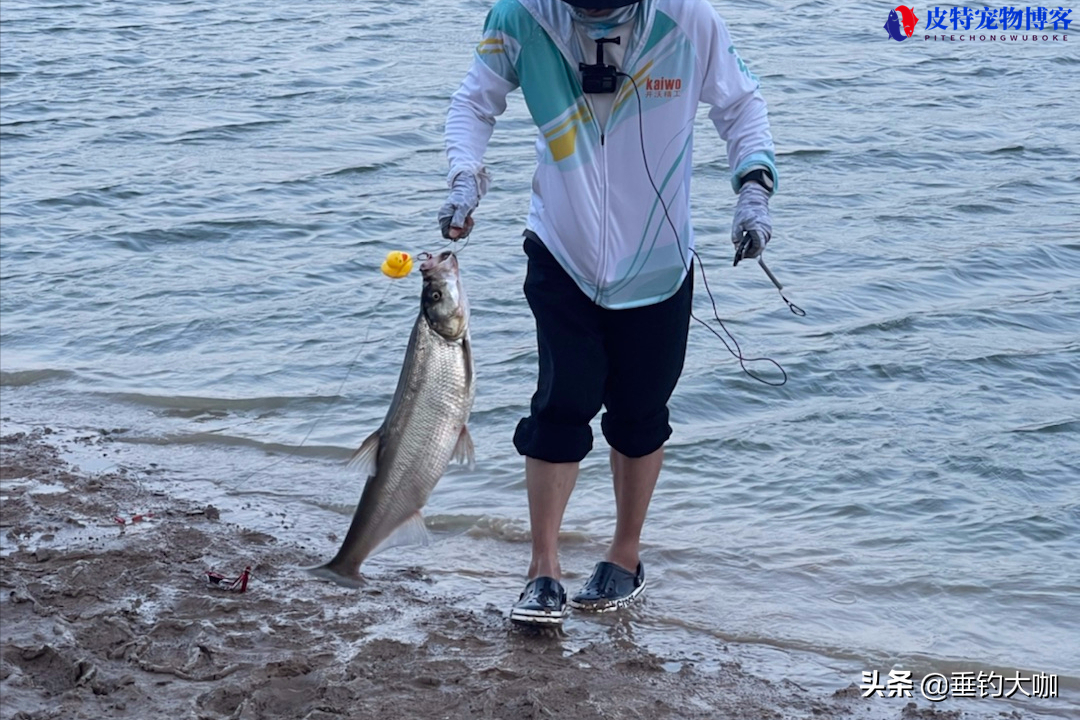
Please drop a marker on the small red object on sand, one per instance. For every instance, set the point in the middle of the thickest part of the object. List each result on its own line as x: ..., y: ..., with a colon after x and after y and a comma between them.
x: 134, y: 518
x: 224, y: 582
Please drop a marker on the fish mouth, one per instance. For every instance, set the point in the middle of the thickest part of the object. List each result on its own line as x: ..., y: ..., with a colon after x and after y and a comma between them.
x: 446, y: 260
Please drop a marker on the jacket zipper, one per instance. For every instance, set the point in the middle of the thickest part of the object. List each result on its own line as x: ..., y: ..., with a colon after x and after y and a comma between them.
x: 601, y: 266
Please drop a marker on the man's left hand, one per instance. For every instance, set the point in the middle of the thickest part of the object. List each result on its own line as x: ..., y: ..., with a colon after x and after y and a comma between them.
x: 752, y: 217
x: 455, y: 216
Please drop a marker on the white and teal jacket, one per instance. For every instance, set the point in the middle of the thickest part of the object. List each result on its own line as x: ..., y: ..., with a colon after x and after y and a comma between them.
x: 592, y: 202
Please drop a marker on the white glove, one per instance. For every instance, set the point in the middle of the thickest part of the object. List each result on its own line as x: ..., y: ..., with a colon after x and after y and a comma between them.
x: 752, y: 216
x: 457, y: 212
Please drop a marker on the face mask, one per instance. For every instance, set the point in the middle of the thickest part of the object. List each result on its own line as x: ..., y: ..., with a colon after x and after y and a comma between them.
x: 598, y: 26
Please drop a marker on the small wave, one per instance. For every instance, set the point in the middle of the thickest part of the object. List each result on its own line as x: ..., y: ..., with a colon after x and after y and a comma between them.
x: 986, y: 71
x: 803, y: 151
x: 354, y: 170
x: 499, y: 529
x: 896, y: 324
x: 982, y: 209
x: 332, y: 452
x: 503, y: 529
x: 1054, y: 426
x: 293, y: 95
x: 228, y: 131
x: 201, y: 231
x: 22, y: 378
x: 939, y: 60
x: 102, y: 197
x: 190, y: 405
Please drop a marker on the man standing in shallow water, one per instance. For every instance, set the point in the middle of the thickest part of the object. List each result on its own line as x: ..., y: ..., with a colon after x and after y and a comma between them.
x: 609, y: 278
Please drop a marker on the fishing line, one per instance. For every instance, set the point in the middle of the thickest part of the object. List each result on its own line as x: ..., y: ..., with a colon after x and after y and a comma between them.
x: 737, y: 352
x: 456, y: 245
x: 333, y: 400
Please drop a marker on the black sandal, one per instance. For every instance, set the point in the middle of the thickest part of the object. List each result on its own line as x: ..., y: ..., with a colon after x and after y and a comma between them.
x: 609, y: 588
x: 543, y: 602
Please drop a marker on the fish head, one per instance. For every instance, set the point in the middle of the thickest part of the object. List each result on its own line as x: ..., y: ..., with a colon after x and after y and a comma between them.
x: 443, y: 301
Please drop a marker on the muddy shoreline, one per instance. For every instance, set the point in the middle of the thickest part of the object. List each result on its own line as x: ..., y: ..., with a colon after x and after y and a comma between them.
x: 104, y: 619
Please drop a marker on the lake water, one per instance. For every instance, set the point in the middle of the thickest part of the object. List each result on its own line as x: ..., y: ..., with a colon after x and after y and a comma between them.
x: 196, y: 198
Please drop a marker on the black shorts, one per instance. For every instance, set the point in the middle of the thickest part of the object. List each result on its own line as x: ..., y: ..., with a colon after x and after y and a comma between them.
x: 626, y: 360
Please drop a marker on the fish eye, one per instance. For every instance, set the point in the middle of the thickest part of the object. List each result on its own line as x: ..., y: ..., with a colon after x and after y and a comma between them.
x: 436, y: 296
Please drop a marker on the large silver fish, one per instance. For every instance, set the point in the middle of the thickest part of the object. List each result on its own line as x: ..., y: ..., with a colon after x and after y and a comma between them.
x: 423, y: 430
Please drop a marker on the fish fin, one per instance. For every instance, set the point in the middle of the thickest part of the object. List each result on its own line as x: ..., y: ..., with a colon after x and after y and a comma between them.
x: 464, y: 452
x: 329, y: 571
x: 365, y: 459
x: 411, y: 532
x: 466, y: 349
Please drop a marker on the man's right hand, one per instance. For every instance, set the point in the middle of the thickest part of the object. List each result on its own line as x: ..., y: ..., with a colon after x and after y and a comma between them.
x: 751, y: 221
x: 455, y: 216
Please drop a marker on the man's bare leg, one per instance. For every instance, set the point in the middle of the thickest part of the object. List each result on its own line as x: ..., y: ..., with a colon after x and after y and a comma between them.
x: 634, y: 479
x: 549, y: 486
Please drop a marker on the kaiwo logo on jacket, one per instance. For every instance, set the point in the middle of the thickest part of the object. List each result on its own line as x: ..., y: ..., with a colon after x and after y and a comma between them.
x: 663, y: 87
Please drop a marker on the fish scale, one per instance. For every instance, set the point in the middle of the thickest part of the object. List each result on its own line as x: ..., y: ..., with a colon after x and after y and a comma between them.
x: 432, y: 414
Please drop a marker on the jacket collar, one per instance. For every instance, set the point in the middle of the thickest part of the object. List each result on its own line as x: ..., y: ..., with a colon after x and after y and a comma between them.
x: 555, y: 18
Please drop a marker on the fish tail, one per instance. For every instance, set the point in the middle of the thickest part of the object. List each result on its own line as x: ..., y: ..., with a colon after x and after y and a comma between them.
x: 337, y: 573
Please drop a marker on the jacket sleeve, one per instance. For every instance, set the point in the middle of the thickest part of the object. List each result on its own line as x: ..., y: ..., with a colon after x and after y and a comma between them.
x: 480, y: 99
x: 738, y: 109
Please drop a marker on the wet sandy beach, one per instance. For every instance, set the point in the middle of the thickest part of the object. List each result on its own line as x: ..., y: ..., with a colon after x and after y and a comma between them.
x: 108, y: 620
